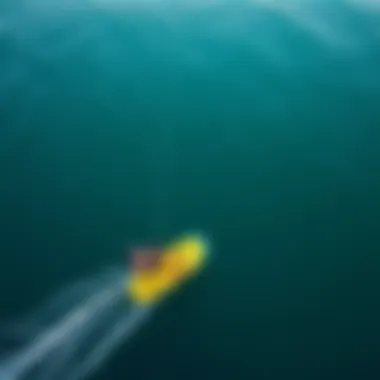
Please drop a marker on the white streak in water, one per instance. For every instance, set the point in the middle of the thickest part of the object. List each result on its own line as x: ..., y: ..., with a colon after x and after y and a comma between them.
x: 83, y: 335
x: 121, y: 332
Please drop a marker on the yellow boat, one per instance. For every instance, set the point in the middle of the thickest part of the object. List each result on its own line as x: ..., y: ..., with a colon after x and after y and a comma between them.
x: 181, y: 260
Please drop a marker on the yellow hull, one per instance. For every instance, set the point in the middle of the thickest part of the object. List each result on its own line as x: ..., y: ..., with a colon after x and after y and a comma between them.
x: 182, y: 259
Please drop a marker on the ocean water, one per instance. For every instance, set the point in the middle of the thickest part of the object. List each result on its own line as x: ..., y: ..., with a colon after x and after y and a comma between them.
x: 127, y: 122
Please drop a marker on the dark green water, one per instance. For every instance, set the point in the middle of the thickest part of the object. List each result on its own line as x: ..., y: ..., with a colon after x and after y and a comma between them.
x: 257, y: 123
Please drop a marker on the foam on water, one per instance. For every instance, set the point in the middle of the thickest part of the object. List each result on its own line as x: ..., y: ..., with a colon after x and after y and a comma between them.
x: 83, y: 334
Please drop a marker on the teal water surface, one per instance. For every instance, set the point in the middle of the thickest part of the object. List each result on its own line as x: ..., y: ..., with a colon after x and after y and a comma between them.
x: 256, y: 122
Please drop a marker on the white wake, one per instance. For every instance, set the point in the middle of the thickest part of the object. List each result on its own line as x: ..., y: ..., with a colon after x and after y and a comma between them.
x: 76, y: 331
